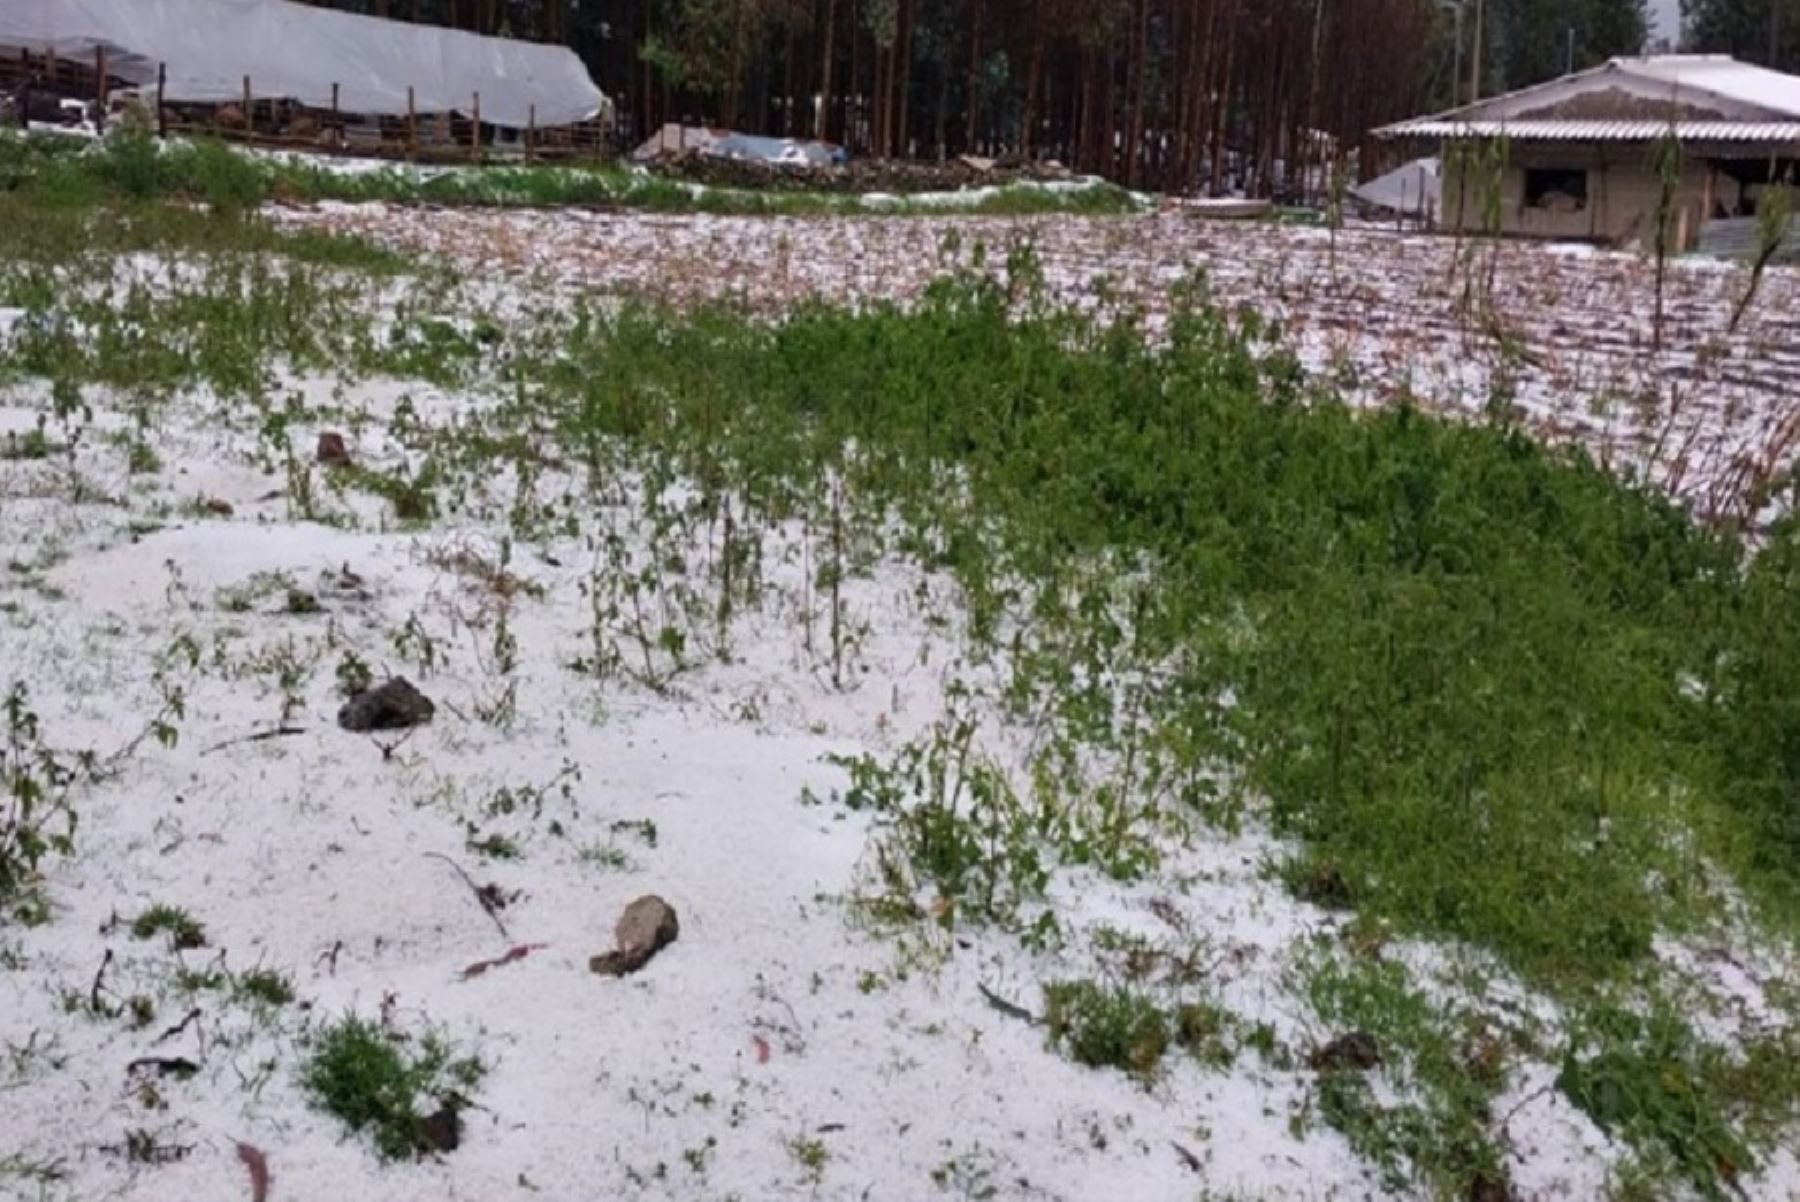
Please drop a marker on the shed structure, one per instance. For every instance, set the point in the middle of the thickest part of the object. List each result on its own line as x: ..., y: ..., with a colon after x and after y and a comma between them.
x: 1584, y: 156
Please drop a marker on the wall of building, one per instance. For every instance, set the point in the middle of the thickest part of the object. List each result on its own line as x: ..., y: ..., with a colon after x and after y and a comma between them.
x: 1623, y: 189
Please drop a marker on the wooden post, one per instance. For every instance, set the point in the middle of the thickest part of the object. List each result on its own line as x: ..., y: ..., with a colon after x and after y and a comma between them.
x: 249, y: 120
x: 475, y: 130
x: 162, y: 83
x: 100, y: 87
x: 530, y: 130
x: 25, y: 94
x: 412, y: 125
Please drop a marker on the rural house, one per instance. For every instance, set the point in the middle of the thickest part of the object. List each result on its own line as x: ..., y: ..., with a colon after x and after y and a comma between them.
x: 1584, y: 156
x: 282, y: 71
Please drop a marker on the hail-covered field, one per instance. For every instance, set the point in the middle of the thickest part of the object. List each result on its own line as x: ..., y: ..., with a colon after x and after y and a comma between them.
x: 1564, y: 337
x: 283, y: 958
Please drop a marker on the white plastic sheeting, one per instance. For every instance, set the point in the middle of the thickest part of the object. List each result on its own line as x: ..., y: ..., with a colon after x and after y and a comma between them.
x: 676, y: 140
x: 296, y: 52
x: 1412, y: 188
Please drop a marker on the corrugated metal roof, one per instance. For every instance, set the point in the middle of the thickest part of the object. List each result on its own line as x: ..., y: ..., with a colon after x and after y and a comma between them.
x: 1755, y: 101
x: 1598, y: 131
x: 1721, y: 75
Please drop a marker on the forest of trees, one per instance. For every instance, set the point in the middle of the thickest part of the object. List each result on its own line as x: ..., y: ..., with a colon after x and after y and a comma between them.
x: 1757, y: 31
x: 1177, y: 94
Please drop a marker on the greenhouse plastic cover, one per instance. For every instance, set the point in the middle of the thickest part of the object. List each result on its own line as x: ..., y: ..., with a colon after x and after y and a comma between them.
x: 295, y: 52
x: 1412, y: 188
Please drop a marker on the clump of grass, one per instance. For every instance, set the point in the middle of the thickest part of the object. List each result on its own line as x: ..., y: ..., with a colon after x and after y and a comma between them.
x: 1204, y: 1030
x: 264, y: 986
x: 185, y: 932
x: 373, y: 1082
x: 811, y: 1155
x: 412, y: 495
x: 494, y: 846
x: 1106, y: 1027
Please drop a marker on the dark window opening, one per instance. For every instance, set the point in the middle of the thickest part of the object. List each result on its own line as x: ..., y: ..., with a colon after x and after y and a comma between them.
x: 1558, y: 189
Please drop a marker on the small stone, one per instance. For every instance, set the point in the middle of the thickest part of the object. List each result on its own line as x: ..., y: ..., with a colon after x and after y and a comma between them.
x: 217, y: 507
x: 394, y: 704
x: 647, y: 926
x: 441, y: 1131
x: 1357, y: 1050
x: 333, y: 451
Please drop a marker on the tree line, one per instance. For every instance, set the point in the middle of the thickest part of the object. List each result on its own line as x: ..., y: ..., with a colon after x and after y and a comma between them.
x: 1262, y: 96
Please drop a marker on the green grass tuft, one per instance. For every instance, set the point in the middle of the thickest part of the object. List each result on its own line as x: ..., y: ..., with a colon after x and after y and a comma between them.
x: 1107, y: 1027
x: 373, y: 1082
x: 185, y: 932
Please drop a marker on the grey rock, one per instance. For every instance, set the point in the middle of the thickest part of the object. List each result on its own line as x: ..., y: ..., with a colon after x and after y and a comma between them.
x: 394, y: 704
x: 441, y: 1131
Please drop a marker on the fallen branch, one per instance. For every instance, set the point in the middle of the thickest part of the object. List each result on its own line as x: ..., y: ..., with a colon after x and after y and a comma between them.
x: 483, y: 897
x: 330, y: 957
x: 518, y: 953
x: 1008, y: 1008
x: 256, y: 737
x: 164, y: 1065
x: 193, y: 1016
x: 99, y: 979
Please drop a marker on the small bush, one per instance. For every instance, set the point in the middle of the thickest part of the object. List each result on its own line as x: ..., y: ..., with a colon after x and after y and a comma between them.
x: 36, y: 817
x: 372, y: 1082
x: 1106, y: 1028
x: 131, y: 164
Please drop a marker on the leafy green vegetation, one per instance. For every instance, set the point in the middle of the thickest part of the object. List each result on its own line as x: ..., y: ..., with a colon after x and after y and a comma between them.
x: 1646, y: 1078
x: 1486, y: 692
x: 373, y: 1082
x: 1447, y: 1067
x: 264, y: 986
x: 1396, y: 627
x: 185, y: 932
x: 231, y: 183
x: 1104, y: 1027
x: 37, y: 816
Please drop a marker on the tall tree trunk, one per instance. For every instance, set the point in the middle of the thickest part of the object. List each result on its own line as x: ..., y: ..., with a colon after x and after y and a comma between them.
x: 901, y: 114
x: 1222, y: 118
x: 647, y: 107
x: 972, y: 97
x: 941, y: 139
x: 1033, y: 85
x: 1140, y: 50
x: 824, y: 116
x: 883, y: 71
